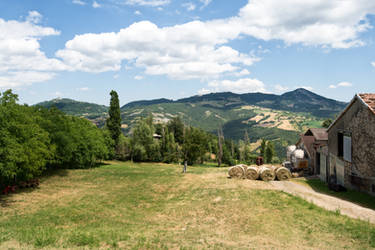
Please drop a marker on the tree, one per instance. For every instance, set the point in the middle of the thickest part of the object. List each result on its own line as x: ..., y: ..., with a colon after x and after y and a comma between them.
x: 177, y: 128
x: 263, y: 146
x: 327, y: 123
x: 270, y: 152
x: 114, y: 119
x: 220, y: 139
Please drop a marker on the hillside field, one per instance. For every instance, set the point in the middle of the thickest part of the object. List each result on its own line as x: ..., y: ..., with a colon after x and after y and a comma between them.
x: 153, y: 206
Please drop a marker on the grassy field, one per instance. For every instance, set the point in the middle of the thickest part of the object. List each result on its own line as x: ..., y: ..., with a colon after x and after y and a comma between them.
x: 125, y: 205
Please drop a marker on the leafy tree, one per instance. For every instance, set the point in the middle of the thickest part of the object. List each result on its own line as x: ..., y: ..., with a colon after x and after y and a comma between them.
x: 270, y: 152
x: 114, y: 119
x: 220, y: 151
x: 176, y: 126
x: 263, y: 146
x: 327, y: 123
x: 194, y: 146
x: 24, y: 146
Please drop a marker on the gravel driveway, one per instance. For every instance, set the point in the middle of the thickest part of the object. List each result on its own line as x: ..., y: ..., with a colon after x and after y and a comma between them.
x: 325, y: 201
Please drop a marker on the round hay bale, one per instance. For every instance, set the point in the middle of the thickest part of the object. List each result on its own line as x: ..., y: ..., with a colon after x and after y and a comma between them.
x: 236, y: 172
x: 252, y: 173
x: 242, y: 165
x: 283, y: 174
x: 267, y: 173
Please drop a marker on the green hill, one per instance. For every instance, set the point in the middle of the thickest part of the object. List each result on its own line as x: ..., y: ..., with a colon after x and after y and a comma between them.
x: 280, y: 118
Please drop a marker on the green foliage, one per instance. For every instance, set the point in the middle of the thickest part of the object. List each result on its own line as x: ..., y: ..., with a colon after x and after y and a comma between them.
x: 327, y: 123
x: 176, y: 126
x: 270, y: 152
x: 195, y: 145
x: 263, y: 147
x: 24, y: 146
x: 33, y: 138
x: 114, y: 119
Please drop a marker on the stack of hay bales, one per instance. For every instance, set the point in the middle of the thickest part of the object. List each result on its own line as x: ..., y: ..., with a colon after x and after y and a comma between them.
x: 264, y: 172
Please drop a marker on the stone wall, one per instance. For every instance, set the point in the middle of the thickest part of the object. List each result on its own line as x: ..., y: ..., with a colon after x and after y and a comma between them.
x: 359, y: 121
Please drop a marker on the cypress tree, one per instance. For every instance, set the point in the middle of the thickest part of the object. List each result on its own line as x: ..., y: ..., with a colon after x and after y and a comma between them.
x: 114, y: 120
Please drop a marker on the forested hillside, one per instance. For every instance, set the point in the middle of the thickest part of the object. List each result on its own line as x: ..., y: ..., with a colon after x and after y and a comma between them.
x: 275, y: 117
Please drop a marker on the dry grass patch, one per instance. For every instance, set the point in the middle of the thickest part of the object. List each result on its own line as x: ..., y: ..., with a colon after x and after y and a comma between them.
x: 152, y: 206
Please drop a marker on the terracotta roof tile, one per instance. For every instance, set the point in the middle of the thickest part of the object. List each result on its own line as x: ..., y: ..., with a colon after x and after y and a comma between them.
x: 369, y: 99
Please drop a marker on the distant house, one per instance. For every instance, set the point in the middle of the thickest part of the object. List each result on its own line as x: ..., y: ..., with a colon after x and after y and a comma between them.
x: 351, y: 145
x: 311, y: 142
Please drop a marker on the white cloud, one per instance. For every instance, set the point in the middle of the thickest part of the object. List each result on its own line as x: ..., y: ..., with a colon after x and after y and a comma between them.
x: 137, y: 12
x: 192, y: 50
x: 243, y: 72
x: 96, y: 5
x: 34, y: 17
x: 279, y: 88
x: 205, y: 2
x: 189, y: 6
x: 341, y: 84
x: 245, y: 85
x: 204, y: 91
x: 153, y: 3
x: 373, y: 64
x: 21, y: 60
x: 334, y: 23
x: 138, y: 78
x: 79, y: 2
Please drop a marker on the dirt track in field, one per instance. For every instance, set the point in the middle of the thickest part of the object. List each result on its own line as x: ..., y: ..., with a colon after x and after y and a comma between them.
x: 326, y: 201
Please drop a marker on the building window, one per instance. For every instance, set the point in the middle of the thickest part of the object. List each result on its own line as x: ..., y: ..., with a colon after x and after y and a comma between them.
x: 348, y: 148
x: 340, y: 144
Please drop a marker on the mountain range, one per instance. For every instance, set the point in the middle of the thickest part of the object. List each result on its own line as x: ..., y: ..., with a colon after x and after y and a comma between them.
x: 280, y: 118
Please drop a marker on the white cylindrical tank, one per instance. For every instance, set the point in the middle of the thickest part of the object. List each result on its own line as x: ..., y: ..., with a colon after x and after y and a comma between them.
x: 297, y: 154
x: 289, y: 151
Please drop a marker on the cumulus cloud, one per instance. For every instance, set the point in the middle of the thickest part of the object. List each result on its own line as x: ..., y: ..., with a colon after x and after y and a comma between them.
x: 245, y: 85
x: 341, y: 84
x: 137, y: 12
x: 373, y: 64
x: 21, y: 60
x: 34, y: 17
x: 335, y: 23
x: 189, y: 6
x: 187, y: 51
x: 79, y: 2
x: 138, y: 78
x: 241, y: 73
x: 153, y: 3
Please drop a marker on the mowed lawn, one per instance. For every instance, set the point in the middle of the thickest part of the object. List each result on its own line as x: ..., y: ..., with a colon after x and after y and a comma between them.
x: 126, y: 205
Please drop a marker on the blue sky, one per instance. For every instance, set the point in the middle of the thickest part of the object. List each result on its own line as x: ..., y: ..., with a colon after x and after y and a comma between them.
x: 146, y: 49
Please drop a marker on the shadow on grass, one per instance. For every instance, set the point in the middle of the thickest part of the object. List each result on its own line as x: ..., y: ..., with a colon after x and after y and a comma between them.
x: 359, y: 198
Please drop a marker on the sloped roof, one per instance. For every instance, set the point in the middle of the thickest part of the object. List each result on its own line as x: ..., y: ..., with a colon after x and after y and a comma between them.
x: 369, y: 99
x: 320, y: 134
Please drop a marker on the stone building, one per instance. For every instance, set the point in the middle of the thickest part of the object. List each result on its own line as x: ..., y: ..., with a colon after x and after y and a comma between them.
x: 351, y: 145
x: 311, y: 142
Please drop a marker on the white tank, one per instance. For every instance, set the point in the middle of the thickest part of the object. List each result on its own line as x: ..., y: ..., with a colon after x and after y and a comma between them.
x: 289, y: 151
x: 297, y: 154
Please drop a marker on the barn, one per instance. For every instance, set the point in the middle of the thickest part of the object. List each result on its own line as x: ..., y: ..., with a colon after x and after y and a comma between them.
x: 351, y: 146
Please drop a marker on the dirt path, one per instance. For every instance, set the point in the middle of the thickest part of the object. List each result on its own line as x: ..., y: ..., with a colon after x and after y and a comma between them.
x: 325, y: 201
